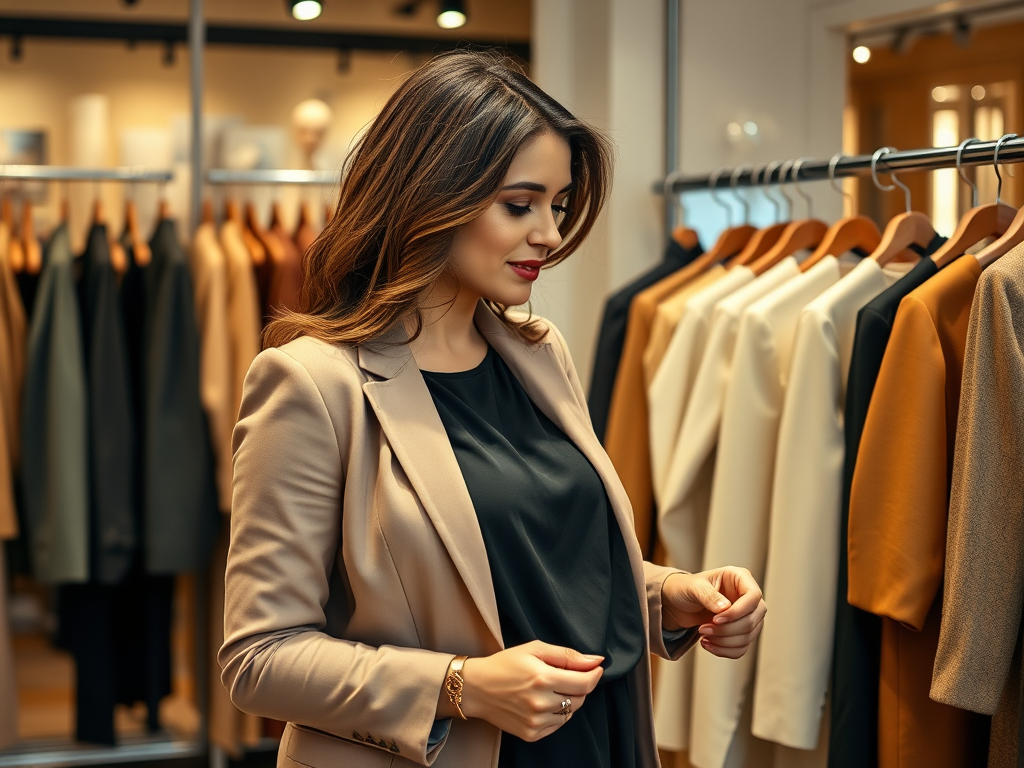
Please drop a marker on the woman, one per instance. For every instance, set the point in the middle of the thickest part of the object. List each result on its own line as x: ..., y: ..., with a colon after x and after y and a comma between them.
x: 432, y: 561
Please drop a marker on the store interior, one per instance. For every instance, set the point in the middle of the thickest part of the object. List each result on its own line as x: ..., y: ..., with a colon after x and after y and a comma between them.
x: 681, y: 87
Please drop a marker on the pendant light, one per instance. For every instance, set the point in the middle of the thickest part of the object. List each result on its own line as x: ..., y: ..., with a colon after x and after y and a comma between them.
x: 305, y: 10
x: 452, y: 15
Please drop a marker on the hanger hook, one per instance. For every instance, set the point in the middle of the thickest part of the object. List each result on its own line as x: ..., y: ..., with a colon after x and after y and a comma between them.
x: 766, y: 180
x: 895, y: 181
x: 766, y: 171
x: 678, y: 208
x: 832, y: 175
x: 733, y: 182
x: 712, y: 181
x: 783, y: 173
x: 960, y: 170
x: 995, y: 164
x: 797, y: 165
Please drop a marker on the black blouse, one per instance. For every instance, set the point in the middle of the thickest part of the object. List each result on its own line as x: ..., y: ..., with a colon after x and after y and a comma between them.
x: 558, y: 561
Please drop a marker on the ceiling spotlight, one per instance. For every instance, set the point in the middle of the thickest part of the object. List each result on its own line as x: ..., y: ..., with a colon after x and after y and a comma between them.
x: 861, y: 54
x: 452, y: 15
x: 305, y: 10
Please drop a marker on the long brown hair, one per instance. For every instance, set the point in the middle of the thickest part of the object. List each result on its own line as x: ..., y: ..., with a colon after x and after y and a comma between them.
x: 431, y: 162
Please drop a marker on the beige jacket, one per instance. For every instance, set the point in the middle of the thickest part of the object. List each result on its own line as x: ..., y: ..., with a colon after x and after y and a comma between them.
x: 357, y: 569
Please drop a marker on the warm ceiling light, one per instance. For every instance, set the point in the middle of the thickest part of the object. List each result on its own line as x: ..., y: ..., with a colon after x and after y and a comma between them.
x: 861, y: 54
x: 452, y: 15
x: 305, y: 10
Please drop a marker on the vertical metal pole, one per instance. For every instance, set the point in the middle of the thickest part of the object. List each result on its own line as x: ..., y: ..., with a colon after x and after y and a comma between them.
x: 672, y: 62
x: 196, y: 45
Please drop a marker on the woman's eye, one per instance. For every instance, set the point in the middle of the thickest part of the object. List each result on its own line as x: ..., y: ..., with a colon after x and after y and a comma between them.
x: 518, y: 210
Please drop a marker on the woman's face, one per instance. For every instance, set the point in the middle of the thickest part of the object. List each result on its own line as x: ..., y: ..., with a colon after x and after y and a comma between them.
x: 498, y: 255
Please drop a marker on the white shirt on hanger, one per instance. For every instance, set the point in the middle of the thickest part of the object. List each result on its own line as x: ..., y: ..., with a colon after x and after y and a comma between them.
x: 795, y: 652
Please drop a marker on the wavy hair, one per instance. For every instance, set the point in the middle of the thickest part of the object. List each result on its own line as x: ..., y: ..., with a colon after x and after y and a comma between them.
x: 431, y: 162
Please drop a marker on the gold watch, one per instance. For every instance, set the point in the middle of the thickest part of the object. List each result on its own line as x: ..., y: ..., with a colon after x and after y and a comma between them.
x: 454, y: 683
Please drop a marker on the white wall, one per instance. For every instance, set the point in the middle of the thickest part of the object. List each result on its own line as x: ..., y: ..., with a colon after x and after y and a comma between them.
x: 781, y: 64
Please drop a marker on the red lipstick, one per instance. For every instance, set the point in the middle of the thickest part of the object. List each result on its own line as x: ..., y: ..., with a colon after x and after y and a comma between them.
x: 528, y: 270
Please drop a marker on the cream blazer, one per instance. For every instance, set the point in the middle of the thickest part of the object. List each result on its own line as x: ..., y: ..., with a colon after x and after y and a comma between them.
x: 357, y: 569
x: 795, y: 654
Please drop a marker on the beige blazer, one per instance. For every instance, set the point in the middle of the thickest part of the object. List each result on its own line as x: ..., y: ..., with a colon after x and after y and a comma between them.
x: 357, y: 569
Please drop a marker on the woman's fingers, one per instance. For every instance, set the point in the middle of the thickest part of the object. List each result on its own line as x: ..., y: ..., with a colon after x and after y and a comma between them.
x: 730, y: 646
x: 739, y: 626
x: 739, y: 585
x: 573, y: 683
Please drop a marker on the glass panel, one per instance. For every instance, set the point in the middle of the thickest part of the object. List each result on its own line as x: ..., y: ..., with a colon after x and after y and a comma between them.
x: 945, y: 133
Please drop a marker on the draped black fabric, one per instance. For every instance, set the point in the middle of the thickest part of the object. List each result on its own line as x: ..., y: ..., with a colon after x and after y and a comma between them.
x: 853, y: 741
x: 558, y: 561
x: 612, y: 335
x: 111, y: 424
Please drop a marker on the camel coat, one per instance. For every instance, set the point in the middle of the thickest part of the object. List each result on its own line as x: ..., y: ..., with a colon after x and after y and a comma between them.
x: 357, y: 569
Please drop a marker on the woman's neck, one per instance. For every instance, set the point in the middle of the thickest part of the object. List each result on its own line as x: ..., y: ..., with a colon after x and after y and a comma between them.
x: 449, y: 340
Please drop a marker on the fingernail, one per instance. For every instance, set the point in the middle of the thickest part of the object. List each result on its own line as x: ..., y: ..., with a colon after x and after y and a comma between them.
x: 706, y: 630
x: 705, y: 643
x: 723, y: 604
x: 592, y: 656
x: 720, y: 619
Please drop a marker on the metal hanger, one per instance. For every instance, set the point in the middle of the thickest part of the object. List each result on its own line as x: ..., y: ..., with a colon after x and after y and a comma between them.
x: 733, y: 239
x: 851, y: 233
x: 907, y: 228
x: 1014, y: 234
x: 798, y: 235
x: 763, y: 239
x: 980, y: 222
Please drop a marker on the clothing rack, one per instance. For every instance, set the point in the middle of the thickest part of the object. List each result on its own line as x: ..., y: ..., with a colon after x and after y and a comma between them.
x: 70, y: 173
x: 930, y: 159
x: 273, y: 177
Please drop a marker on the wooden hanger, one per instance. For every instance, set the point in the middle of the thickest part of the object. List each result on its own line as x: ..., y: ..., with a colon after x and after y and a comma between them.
x: 797, y: 236
x: 273, y: 247
x: 29, y: 242
x: 206, y: 216
x: 1014, y: 233
x: 992, y: 220
x: 305, y: 217
x: 683, y: 235
x: 233, y: 213
x: 733, y: 239
x: 981, y: 221
x: 853, y: 233
x: 1013, y: 237
x: 15, y: 251
x: 905, y: 229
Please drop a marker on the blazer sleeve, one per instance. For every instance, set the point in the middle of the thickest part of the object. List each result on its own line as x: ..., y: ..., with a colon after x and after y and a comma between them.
x: 277, y: 661
x: 981, y: 606
x: 669, y: 645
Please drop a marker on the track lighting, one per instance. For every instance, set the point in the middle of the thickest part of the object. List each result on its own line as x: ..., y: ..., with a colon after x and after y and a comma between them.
x: 452, y: 14
x: 305, y: 10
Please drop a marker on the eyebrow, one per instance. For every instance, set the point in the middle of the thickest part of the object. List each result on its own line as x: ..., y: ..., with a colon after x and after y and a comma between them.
x: 533, y: 186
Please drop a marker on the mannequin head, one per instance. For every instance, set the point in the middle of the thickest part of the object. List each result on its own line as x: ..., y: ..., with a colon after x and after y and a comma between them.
x: 310, y: 120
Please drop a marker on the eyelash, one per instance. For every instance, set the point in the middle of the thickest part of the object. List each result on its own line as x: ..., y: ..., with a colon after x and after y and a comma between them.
x: 522, y: 210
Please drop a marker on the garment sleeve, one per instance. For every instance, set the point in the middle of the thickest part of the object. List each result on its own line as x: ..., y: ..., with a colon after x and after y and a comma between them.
x: 984, y: 572
x: 897, y: 527
x: 285, y: 532
x: 665, y: 643
x: 800, y: 577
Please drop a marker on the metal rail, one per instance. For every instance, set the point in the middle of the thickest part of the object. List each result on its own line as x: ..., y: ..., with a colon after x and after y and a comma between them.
x: 70, y: 173
x: 274, y: 177
x: 930, y: 159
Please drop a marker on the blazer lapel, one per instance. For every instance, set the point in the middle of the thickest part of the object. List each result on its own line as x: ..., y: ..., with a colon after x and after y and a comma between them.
x: 408, y: 417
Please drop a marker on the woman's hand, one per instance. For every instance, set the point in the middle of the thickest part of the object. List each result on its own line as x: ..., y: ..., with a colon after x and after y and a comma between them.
x: 521, y: 689
x: 725, y: 603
